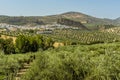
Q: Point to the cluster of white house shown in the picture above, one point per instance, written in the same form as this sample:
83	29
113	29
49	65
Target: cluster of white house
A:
41	28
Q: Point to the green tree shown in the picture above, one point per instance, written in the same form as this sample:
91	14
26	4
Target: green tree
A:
8	46
47	43
23	44
34	43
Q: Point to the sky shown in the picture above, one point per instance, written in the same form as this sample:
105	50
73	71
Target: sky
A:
97	8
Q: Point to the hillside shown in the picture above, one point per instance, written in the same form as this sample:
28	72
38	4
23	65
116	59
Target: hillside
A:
117	21
68	22
76	16
83	18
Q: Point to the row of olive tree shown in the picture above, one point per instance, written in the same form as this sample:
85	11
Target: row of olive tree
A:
26	44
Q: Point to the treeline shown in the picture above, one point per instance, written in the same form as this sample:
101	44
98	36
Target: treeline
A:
20	20
26	44
69	22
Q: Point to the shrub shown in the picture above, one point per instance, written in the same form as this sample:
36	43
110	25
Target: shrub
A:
7	46
72	63
32	44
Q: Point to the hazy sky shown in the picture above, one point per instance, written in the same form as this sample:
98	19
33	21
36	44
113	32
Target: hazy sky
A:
97	8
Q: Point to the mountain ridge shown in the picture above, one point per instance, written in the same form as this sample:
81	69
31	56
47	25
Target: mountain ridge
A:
76	16
85	18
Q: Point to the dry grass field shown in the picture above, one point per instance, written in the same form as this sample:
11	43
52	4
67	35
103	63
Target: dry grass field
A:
7	37
58	44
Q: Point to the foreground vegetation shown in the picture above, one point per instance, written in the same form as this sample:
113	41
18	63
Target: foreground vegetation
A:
85	56
82	62
10	64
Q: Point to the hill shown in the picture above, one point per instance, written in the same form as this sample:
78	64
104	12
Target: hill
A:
41	20
77	16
